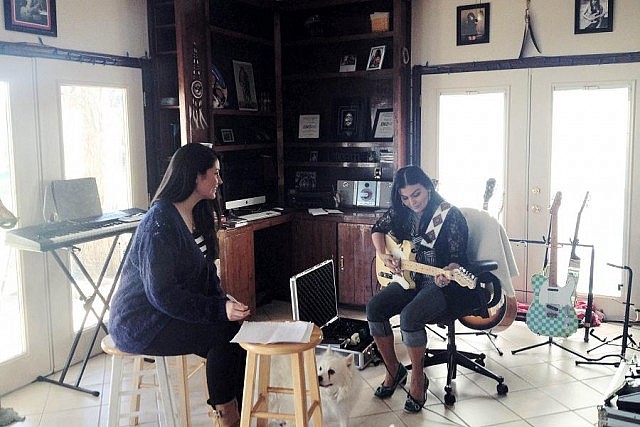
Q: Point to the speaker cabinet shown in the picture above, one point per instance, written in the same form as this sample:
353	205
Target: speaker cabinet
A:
384	194
347	191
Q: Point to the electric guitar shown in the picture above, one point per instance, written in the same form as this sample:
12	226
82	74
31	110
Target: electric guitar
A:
404	252
551	313
488	192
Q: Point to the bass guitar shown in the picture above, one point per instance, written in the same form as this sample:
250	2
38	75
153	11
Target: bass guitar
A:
551	313
404	252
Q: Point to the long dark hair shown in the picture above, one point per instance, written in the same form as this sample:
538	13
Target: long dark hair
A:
411	175
178	184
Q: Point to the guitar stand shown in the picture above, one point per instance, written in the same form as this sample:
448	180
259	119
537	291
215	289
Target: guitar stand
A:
625	330
550	341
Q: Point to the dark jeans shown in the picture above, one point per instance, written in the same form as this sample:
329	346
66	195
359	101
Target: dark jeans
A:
417	307
225	360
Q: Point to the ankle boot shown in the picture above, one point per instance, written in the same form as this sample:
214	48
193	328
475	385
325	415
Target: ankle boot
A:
226	414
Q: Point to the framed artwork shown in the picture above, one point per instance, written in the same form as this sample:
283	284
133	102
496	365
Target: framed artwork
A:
309	126
593	16
245	86
383	124
350	119
348	63
376	56
472	24
31	16
313	156
227	136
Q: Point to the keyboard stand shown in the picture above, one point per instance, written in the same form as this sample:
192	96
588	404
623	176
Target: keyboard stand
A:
88	307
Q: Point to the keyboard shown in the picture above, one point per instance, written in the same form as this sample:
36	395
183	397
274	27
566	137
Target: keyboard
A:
259	215
48	236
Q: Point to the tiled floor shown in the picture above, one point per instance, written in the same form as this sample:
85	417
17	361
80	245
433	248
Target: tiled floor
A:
546	388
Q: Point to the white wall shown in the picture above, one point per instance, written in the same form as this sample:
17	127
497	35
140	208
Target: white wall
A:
434	31
114	27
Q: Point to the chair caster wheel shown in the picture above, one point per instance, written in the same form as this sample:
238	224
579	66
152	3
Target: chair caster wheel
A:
449	399
502	389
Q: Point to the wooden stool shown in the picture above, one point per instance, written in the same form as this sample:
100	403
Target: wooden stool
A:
117	373
303	356
186	371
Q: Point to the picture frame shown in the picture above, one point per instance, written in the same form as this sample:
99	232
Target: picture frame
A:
35	17
348	63
227	136
473	23
245	86
309	126
350	119
313	156
383	125
376	58
593	16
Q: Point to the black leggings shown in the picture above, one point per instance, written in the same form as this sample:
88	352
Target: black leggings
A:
225	360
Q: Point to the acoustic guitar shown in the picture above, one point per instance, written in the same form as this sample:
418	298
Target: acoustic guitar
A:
551	313
503	314
404	252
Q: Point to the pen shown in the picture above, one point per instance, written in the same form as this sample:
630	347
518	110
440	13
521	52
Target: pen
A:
232	299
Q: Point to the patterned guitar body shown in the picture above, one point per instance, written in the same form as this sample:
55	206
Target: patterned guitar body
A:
551	313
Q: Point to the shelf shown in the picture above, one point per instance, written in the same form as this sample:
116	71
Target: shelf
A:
169	107
386	73
361	144
337	164
232	112
167	53
313	41
242	36
244	147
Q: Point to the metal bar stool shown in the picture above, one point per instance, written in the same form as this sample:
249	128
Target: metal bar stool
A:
303	356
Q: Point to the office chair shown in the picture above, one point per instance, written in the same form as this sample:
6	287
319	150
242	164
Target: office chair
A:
487	240
489	295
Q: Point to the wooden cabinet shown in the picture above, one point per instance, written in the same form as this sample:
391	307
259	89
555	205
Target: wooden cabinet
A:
237	264
314	241
356	264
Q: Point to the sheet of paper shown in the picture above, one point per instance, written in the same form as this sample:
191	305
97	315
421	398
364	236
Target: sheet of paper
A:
334	211
274	332
317	211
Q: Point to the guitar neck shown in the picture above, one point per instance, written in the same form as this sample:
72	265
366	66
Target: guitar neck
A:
553	252
423	268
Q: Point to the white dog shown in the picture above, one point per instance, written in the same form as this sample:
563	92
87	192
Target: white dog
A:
336	376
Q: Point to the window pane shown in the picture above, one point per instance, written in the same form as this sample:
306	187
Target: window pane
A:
12	325
96	144
471	148
590	144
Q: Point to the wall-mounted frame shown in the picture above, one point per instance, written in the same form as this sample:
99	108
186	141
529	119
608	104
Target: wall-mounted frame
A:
227	136
348	63
36	17
593	16
376	57
309	126
245	86
473	24
383	124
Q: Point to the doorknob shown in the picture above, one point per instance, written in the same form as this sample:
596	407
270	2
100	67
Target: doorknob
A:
535	209
535	190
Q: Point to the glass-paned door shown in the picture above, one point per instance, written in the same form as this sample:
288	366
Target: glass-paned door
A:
24	326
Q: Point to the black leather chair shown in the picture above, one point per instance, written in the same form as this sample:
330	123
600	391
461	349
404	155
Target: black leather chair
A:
489	296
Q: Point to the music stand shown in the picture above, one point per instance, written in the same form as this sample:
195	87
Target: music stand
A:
625	328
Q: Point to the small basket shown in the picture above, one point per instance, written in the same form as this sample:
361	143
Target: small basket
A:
379	21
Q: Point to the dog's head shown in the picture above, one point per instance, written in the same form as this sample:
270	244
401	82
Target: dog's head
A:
335	372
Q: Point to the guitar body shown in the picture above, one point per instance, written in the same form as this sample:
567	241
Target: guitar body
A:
501	316
551	313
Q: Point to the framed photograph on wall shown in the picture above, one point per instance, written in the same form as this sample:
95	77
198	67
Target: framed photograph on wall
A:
383	124
593	16
472	23
376	57
227	136
245	86
348	63
309	126
31	16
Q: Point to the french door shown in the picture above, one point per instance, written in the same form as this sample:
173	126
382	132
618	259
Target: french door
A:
564	129
49	126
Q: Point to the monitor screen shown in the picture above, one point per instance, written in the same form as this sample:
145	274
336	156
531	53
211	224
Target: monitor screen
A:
244	175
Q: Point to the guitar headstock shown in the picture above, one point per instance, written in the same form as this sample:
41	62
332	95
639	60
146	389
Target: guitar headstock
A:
556	203
463	277
488	189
